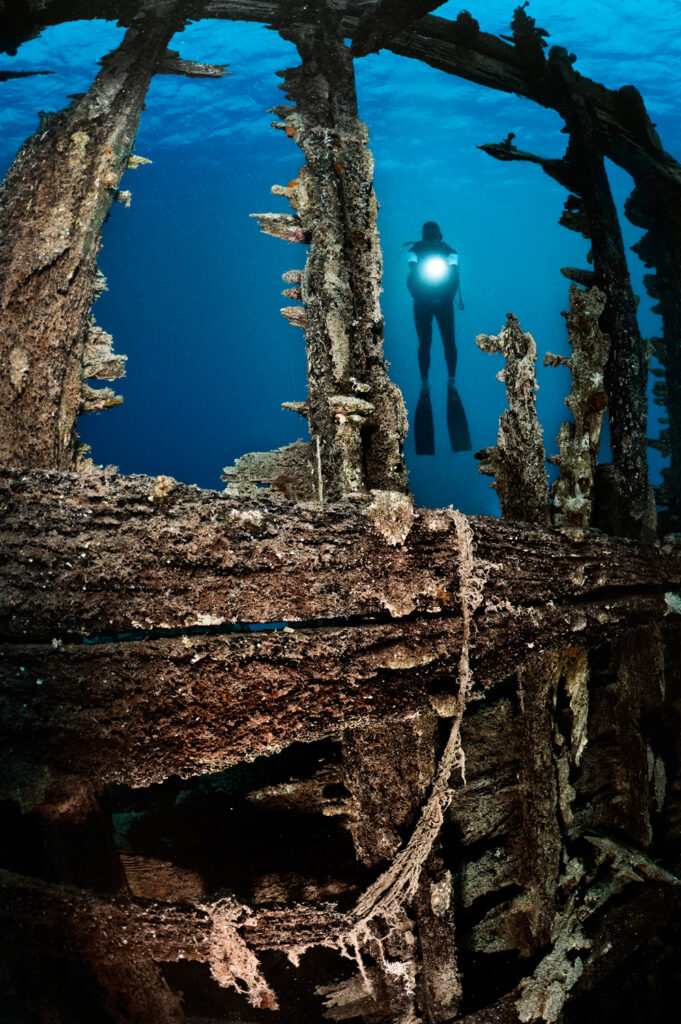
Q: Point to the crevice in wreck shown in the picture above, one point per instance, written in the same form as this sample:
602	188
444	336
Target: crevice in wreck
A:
464	757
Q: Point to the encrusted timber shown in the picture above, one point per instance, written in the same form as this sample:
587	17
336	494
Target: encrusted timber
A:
285	226
517	463
48	273
172	64
356	416
66	708
590	210
6	76
578	441
386	19
660	249
601	923
389	769
341	457
512	812
141	930
140	552
627	487
593	213
290	472
100	363
601	121
458	47
166	932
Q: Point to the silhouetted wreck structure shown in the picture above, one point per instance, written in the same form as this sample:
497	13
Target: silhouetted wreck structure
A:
470	805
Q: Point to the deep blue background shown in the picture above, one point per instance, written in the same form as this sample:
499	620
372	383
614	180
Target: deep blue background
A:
193	295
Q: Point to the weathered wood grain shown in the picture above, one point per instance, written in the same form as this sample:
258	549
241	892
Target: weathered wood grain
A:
52	206
147	929
141	711
104	554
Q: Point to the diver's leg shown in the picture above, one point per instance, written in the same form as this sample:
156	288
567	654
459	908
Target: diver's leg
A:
444	314
423	320
457	424
424	436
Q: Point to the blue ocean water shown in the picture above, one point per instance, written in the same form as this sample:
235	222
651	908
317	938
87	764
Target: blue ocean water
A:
193	287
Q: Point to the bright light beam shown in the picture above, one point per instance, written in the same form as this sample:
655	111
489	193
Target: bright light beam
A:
434	269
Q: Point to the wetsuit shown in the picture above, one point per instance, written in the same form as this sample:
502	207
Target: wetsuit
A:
434	298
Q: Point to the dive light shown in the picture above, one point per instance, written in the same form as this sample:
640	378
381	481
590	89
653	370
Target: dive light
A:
434	269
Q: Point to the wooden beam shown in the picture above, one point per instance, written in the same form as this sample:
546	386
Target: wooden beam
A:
6	76
52	206
386	19
172	64
44	916
99	553
142	711
107	927
356	415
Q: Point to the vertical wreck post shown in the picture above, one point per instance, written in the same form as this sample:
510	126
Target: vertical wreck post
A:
389	770
654	205
52	206
590	210
518	462
356	415
626	372
358	423
579	441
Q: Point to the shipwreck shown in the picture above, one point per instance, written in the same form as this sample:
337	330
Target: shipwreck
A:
306	752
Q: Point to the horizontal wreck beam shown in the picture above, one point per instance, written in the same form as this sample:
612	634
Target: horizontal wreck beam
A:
385	19
456	47
141	711
372	586
102	927
227	935
98	553
460	48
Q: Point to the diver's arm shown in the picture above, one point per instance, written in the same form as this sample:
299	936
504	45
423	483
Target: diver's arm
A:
453	275
456	277
451	286
411	278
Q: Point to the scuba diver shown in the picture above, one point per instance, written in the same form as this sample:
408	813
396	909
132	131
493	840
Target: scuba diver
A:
433	283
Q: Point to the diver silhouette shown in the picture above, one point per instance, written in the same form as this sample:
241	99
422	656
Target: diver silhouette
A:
433	283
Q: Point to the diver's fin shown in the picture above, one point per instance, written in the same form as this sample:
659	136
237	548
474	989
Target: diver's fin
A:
457	424
424	437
